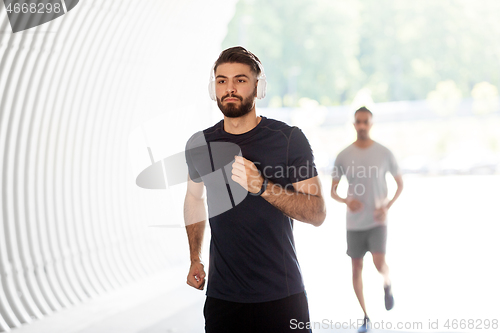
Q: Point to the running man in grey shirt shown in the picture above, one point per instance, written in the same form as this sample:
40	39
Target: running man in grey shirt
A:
365	164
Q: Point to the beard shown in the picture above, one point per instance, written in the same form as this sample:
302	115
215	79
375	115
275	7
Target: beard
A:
231	110
363	135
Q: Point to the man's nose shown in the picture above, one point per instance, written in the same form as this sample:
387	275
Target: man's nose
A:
230	88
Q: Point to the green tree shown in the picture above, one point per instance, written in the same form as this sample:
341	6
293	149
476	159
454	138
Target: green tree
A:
399	50
308	48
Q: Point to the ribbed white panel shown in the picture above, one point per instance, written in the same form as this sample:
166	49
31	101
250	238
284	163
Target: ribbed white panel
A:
73	224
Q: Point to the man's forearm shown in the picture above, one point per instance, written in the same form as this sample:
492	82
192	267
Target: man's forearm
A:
297	205
195	234
195	220
335	195
399	181
391	202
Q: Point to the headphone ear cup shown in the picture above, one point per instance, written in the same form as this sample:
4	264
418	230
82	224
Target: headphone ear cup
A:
261	88
211	90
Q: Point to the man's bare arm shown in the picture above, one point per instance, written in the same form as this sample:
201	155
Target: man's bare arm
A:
195	219
302	201
381	212
334	194
353	204
399	182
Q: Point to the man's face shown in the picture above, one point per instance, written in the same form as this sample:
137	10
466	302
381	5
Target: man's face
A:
235	88
363	124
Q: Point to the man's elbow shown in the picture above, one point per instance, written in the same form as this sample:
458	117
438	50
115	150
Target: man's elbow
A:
319	218
399	188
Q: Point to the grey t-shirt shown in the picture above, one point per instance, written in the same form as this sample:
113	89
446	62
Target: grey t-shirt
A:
365	170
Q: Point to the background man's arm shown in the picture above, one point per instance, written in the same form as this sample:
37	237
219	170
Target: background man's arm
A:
381	213
195	219
334	194
399	182
303	202
353	204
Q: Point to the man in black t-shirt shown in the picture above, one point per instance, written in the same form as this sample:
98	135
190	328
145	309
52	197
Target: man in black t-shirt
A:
259	175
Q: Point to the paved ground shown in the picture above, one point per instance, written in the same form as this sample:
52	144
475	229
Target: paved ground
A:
442	252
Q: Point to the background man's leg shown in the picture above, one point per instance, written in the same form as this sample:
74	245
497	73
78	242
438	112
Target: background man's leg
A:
357	281
381	265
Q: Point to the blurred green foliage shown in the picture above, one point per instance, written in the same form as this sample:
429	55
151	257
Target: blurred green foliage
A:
328	50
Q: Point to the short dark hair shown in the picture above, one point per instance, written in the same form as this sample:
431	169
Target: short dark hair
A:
238	54
363	109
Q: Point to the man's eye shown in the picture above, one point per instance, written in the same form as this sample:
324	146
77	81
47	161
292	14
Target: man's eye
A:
240	80
221	81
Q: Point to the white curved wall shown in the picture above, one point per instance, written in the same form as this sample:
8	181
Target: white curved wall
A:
75	95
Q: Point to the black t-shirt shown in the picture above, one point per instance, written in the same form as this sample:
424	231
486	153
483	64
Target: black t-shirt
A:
252	251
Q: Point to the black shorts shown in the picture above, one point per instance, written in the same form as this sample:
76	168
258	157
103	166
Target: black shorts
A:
273	317
373	240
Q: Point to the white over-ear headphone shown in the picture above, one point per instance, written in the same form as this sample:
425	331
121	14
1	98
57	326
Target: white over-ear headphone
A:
261	83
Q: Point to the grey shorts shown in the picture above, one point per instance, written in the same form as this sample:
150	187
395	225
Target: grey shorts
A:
373	240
